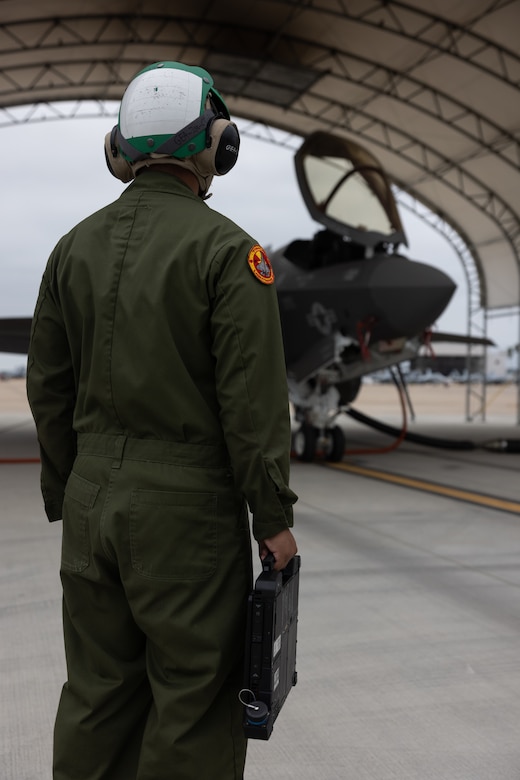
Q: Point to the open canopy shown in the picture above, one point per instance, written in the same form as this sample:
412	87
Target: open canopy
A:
345	189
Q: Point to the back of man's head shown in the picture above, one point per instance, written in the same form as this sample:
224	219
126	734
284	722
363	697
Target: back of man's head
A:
172	114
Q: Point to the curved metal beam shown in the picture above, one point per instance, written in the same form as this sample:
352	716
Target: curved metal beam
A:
439	35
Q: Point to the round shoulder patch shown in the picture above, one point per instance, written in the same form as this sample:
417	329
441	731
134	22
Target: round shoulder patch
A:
260	265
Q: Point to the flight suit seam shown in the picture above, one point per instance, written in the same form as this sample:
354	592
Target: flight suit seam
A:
116	288
103	517
179	462
44	291
242	364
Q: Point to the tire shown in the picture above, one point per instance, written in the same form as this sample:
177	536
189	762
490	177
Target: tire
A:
335	444
304	442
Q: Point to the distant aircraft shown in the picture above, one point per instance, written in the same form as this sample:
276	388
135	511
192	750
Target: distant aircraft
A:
349	303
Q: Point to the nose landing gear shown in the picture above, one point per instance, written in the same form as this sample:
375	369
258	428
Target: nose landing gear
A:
309	441
334	444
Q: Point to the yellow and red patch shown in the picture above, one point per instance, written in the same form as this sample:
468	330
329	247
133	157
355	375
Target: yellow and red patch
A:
260	265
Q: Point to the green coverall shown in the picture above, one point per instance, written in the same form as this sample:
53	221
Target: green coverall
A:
156	378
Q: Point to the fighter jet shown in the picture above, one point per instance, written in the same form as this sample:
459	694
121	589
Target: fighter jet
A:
349	303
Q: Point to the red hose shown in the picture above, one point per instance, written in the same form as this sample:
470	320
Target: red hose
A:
4	461
395	444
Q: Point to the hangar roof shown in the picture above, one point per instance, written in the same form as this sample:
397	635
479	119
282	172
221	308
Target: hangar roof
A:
431	87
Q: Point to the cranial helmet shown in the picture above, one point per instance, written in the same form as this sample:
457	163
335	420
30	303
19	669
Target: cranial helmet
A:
171	113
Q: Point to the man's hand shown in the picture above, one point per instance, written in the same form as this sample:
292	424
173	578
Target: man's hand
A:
282	546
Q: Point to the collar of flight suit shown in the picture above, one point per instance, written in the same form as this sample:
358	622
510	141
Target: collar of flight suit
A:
158	181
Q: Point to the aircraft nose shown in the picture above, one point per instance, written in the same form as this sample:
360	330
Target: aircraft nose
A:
410	295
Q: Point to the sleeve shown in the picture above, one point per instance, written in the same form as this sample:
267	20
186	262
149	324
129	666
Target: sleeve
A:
251	386
51	394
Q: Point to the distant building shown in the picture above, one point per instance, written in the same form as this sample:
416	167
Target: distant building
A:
453	358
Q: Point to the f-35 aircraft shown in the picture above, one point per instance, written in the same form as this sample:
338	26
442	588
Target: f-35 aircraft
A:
349	303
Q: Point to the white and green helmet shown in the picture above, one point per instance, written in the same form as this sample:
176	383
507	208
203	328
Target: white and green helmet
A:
172	111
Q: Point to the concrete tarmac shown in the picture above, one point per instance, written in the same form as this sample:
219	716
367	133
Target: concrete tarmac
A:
409	625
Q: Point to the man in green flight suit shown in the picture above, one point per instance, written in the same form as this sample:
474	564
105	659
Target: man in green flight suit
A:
156	378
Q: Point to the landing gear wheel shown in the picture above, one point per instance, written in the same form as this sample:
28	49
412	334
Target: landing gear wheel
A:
304	442
334	444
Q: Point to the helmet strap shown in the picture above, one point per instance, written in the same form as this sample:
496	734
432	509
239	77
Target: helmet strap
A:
185	135
173	144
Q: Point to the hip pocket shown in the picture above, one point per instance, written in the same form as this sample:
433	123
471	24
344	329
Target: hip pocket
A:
80	497
173	536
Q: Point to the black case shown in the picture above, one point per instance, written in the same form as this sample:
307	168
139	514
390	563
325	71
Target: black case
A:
270	654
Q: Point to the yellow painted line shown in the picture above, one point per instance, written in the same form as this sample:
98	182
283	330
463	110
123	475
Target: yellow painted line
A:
431	487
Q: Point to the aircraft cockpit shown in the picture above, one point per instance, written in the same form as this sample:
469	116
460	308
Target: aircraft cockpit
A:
324	249
345	189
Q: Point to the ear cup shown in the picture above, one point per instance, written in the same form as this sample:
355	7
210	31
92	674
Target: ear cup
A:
227	146
222	153
117	165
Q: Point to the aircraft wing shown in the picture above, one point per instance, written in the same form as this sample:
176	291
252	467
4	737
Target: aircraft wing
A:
460	338
14	334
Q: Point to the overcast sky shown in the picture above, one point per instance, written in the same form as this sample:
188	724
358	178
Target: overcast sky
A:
54	175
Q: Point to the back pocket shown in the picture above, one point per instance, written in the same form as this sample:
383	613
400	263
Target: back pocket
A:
173	536
80	497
